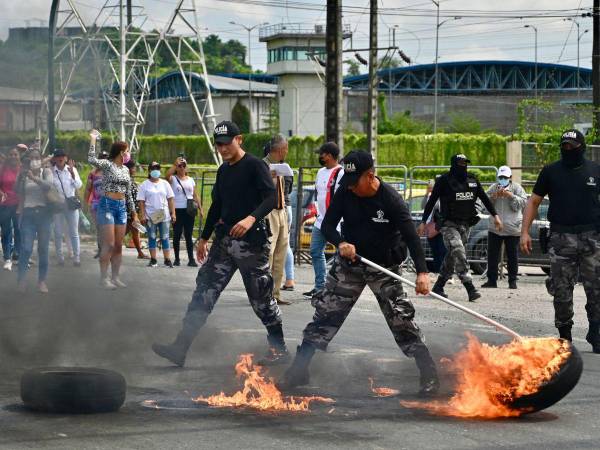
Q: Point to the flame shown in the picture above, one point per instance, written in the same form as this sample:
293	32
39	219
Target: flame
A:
489	378
382	391
259	392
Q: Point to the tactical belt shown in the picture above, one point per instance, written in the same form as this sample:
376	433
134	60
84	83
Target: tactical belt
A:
573	229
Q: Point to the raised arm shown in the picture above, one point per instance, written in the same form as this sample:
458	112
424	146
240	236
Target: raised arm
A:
101	163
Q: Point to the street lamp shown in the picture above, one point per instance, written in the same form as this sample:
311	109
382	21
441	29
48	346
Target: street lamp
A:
534	28
579	36
249	30
436	76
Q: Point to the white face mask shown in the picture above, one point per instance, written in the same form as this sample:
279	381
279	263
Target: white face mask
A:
35	164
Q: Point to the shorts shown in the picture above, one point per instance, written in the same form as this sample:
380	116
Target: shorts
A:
111	212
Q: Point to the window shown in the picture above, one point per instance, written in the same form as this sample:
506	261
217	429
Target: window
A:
283	93
295	53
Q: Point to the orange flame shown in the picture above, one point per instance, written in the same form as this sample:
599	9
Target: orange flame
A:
259	392
382	391
489	378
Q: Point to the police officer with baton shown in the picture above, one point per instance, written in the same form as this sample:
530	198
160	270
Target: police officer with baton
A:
572	186
377	225
457	191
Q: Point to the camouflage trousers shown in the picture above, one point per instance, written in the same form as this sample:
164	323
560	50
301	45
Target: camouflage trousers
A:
225	257
345	282
455	238
572	255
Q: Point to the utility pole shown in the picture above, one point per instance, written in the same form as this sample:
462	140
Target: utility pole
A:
333	75
373	81
129	14
122	75
535	77
596	70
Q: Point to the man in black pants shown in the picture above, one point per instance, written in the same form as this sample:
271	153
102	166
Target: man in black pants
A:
376	225
242	196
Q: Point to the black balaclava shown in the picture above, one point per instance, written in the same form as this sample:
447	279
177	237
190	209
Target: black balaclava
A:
574	157
457	171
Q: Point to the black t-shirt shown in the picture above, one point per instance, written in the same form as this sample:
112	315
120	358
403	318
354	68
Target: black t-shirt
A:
241	189
573	193
377	226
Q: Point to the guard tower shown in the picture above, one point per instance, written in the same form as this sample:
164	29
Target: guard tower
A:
296	53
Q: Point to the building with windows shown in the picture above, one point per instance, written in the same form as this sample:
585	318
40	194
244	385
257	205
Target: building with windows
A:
293	55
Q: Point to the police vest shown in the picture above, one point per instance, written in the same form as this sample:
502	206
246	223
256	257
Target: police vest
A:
459	204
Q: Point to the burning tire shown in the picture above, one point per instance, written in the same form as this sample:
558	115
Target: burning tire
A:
554	389
73	390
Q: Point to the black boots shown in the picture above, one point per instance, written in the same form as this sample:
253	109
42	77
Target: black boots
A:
297	374
565	333
278	352
472	291
593	336
176	351
438	287
490	284
429	382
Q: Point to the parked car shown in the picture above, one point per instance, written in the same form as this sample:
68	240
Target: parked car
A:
477	243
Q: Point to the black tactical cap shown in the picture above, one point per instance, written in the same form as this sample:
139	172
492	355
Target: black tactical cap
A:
355	164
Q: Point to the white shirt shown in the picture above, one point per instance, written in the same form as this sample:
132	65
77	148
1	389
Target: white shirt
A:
322	186
155	196
182	197
69	183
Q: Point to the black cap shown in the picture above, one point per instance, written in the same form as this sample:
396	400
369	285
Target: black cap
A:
459	158
574	137
58	152
329	147
154	165
225	132
355	164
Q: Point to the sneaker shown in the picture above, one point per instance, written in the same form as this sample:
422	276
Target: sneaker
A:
8	265
310	293
168	263
42	287
118	283
107	284
287	288
177	263
192	263
153	262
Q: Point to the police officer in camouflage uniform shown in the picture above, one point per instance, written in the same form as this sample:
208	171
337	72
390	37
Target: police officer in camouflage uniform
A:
457	192
376	225
242	196
573	186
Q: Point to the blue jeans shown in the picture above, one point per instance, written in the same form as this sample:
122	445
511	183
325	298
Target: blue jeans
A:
111	212
35	222
162	229
317	253
9	224
289	259
71	217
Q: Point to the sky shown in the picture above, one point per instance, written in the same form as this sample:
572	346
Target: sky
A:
495	32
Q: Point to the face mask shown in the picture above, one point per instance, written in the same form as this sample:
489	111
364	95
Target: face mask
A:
459	172
35	164
126	157
155	174
503	182
574	157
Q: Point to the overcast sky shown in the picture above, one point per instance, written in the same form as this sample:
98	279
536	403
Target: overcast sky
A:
468	38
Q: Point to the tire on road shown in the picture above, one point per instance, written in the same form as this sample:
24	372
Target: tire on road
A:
73	390
480	253
556	388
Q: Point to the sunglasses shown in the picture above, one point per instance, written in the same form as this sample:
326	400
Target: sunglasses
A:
502	177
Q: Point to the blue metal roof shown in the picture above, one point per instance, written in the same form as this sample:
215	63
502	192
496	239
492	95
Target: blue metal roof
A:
477	77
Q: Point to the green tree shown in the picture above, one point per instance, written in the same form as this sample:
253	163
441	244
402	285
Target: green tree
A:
463	122
241	116
353	67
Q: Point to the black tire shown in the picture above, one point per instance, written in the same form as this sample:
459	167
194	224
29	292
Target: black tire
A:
556	388
73	390
546	270
481	254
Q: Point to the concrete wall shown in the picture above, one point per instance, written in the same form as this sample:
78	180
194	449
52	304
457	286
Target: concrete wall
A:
301	105
179	117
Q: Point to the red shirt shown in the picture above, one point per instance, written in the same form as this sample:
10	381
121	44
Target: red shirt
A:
8	177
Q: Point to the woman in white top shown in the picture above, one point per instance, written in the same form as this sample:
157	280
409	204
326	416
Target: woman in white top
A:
184	188
157	210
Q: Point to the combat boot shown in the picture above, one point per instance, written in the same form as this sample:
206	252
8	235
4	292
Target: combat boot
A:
472	291
277	352
429	383
593	336
438	287
297	374
177	351
565	333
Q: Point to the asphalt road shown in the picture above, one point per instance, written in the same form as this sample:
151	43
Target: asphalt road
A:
77	324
